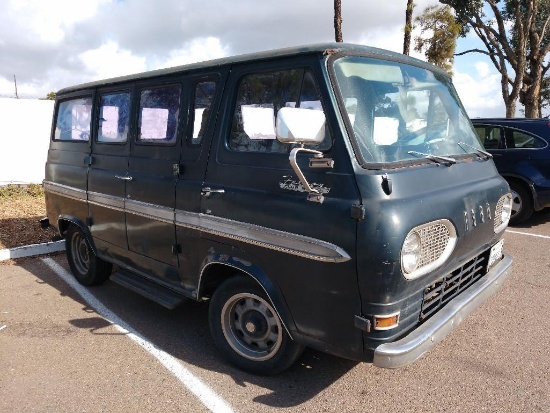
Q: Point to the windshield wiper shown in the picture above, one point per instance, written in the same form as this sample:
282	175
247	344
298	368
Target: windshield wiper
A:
479	152
445	160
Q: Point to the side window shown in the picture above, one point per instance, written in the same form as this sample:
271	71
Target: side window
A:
159	114
114	117
520	140
259	98
489	136
204	95
73	120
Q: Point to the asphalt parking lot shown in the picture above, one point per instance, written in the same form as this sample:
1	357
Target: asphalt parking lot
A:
64	348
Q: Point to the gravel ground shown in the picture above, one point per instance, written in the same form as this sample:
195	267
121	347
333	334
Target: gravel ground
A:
21	208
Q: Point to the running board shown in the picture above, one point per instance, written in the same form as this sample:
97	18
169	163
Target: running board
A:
157	293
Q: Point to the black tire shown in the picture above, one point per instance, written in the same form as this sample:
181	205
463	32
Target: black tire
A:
522	204
86	267
247	330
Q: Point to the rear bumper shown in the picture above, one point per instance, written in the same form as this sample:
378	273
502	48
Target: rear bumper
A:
411	347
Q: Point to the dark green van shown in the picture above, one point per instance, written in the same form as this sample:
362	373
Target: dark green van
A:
332	196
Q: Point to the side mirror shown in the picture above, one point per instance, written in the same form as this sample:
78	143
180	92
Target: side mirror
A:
302	126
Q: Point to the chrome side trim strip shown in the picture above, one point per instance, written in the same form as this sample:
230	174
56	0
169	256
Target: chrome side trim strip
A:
419	341
152	211
289	243
273	239
66	191
109	201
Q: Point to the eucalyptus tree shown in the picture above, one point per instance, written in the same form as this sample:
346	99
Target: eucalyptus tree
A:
408	26
439	31
516	39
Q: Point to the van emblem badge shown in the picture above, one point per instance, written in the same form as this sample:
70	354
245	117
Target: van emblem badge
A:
290	184
472	219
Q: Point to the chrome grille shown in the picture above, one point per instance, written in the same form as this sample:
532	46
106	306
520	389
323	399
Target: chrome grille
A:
438	294
498	213
434	240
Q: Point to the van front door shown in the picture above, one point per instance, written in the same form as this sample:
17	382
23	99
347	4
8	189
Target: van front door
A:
252	199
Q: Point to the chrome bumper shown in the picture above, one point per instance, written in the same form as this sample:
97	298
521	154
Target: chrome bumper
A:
411	347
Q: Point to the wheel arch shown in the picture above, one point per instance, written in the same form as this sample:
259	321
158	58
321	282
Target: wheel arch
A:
65	221
216	271
527	184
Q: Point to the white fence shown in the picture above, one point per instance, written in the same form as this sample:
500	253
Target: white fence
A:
24	139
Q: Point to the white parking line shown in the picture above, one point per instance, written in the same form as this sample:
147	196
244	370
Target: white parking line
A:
203	392
526	233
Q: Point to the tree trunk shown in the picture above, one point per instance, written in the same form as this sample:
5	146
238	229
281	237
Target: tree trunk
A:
532	101
408	27
338	20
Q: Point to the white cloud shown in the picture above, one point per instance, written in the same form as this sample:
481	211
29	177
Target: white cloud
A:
197	50
110	61
481	92
57	43
48	21
482	69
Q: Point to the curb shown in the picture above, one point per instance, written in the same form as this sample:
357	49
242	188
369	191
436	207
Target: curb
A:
31	250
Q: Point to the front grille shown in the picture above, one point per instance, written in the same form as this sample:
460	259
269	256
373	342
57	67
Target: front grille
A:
438	294
498	213
434	239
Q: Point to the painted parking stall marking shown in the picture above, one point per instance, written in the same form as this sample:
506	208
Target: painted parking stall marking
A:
528	234
202	391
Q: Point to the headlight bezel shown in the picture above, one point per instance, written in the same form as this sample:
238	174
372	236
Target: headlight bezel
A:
503	212
432	252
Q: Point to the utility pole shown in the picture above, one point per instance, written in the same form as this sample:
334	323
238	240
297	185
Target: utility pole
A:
15	81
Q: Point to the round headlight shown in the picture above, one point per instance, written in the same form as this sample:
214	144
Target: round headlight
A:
410	253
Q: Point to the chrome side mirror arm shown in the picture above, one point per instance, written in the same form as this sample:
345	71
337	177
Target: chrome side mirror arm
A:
313	194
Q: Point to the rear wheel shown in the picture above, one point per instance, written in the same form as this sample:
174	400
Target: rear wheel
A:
522	205
86	267
247	329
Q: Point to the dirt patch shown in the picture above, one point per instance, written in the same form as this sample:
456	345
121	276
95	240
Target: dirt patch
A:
21	208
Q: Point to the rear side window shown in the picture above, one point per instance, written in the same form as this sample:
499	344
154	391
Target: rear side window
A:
259	98
159	114
204	95
73	120
489	136
114	118
516	139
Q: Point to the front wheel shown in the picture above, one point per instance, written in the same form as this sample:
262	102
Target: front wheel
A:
248	331
86	267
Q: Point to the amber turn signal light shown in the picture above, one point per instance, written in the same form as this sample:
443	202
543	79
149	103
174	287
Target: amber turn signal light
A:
386	322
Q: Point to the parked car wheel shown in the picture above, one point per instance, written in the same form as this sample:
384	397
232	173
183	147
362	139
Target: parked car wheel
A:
522	205
248	331
86	267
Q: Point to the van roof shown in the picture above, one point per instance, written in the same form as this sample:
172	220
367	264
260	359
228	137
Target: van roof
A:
320	49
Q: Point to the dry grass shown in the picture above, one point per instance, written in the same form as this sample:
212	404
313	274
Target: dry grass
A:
21	208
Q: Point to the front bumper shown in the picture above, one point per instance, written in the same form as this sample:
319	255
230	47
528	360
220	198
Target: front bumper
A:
411	347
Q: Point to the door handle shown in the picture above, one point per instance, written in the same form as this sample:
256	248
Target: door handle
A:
207	191
124	178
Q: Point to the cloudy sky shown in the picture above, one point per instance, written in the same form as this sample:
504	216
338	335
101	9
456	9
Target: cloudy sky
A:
52	44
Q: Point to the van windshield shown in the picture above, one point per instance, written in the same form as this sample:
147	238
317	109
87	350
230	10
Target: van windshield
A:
399	112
